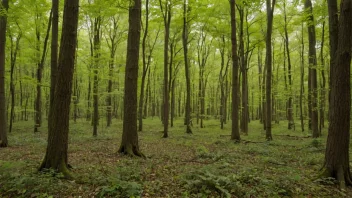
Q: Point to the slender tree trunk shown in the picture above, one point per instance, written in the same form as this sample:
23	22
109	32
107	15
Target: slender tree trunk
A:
302	82
3	25
14	51
53	54
323	82
129	144
56	152
38	100
312	68
187	72
268	61
96	44
337	148
289	102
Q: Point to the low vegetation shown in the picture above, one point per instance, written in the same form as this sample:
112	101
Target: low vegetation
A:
205	164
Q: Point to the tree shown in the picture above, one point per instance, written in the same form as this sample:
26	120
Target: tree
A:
313	92
3	23
337	147
166	13
268	65
186	62
40	68
53	55
56	151
129	144
235	134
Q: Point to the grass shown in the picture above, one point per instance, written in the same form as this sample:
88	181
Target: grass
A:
205	164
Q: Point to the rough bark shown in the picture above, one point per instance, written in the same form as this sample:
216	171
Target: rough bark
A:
3	26
129	143
337	147
56	151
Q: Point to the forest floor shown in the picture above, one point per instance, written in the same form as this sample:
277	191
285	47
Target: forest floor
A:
204	164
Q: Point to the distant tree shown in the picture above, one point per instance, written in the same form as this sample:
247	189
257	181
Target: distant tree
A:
56	151
129	144
337	163
3	24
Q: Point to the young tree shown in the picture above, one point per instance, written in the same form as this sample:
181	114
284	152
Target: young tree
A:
337	148
56	151
268	64
3	23
235	134
129	144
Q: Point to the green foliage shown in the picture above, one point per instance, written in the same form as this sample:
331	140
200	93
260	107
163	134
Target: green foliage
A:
124	183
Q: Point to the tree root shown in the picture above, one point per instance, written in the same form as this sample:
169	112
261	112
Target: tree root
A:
342	177
131	151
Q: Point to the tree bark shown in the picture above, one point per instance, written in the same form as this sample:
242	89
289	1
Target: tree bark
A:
187	72
313	92
337	147
235	133
129	144
3	26
56	151
268	61
53	54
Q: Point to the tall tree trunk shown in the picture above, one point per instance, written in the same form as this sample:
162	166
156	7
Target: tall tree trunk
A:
3	25
301	94
268	62
313	69
14	51
337	148
38	100
166	11
289	102
235	133
323	82
53	54
96	47
129	143
187	71
56	151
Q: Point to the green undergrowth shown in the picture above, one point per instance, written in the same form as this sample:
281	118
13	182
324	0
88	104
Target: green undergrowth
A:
203	164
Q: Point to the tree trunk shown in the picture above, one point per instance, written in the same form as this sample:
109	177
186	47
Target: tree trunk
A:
129	144
96	52
268	61
53	54
291	122
56	151
38	100
187	72
3	26
302	82
337	147
313	69
235	133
